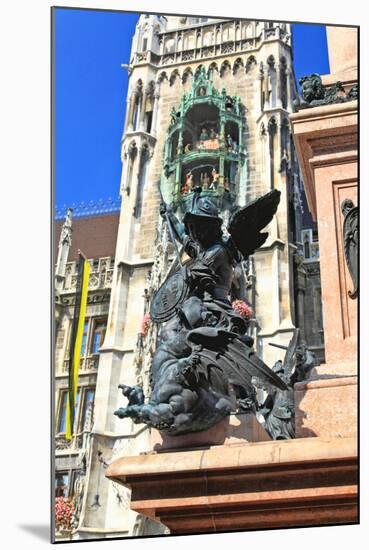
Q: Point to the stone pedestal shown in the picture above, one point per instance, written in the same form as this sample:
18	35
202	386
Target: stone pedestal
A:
234	429
326	142
326	407
272	484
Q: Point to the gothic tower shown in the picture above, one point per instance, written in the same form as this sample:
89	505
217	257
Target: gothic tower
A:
210	98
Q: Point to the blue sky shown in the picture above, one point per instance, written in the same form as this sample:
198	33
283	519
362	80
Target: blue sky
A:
90	93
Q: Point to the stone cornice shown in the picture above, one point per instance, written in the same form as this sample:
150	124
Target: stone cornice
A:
324	135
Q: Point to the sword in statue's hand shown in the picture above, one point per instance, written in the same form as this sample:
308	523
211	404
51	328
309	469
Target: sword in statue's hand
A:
164	212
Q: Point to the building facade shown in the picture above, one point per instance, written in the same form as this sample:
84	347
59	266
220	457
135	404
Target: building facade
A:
208	104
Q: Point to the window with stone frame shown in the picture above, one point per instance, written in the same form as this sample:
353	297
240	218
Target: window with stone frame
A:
83	410
62	484
88	407
93	335
62	411
98	334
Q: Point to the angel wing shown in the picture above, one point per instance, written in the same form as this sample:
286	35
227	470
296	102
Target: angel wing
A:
245	224
223	356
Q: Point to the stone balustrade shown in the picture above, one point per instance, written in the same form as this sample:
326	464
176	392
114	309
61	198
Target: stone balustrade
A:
101	274
88	363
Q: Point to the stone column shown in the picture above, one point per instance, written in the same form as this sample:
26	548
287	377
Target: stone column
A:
272	130
278	100
259	101
288	89
155	111
138	112
141	124
128	102
266	89
300	293
131	110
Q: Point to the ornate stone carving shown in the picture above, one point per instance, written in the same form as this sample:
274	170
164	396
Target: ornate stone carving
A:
142	56
66	232
168	59
315	94
132	150
188	56
227	48
351	242
278	408
61	443
207	51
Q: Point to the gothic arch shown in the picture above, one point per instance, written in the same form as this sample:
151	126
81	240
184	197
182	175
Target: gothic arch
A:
132	150
285	133
271	62
208	38
225	66
228	32
213	67
173	77
272	125
238	31
250	63
198	69
186	74
151	86
163	76
237	65
138	85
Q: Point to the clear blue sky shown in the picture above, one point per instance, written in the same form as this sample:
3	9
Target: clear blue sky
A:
90	93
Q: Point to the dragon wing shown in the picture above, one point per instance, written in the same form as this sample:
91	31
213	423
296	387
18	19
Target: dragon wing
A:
245	224
237	362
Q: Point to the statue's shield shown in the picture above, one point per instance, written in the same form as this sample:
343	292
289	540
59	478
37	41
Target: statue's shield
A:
167	298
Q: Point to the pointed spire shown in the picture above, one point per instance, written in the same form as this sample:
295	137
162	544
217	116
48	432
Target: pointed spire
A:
65	242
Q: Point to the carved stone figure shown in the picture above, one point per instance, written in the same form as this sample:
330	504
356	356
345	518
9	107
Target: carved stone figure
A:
315	94
203	366
351	242
66	232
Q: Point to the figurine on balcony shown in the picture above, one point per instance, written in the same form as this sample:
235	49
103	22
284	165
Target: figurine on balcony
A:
188	184
204	134
215	180
187	148
213	134
204	364
229	142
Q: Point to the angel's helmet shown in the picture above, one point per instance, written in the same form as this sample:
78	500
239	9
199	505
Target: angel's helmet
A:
202	222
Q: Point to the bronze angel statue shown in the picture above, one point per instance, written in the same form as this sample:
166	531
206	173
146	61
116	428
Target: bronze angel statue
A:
204	364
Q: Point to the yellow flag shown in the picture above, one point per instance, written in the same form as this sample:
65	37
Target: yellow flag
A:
76	341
